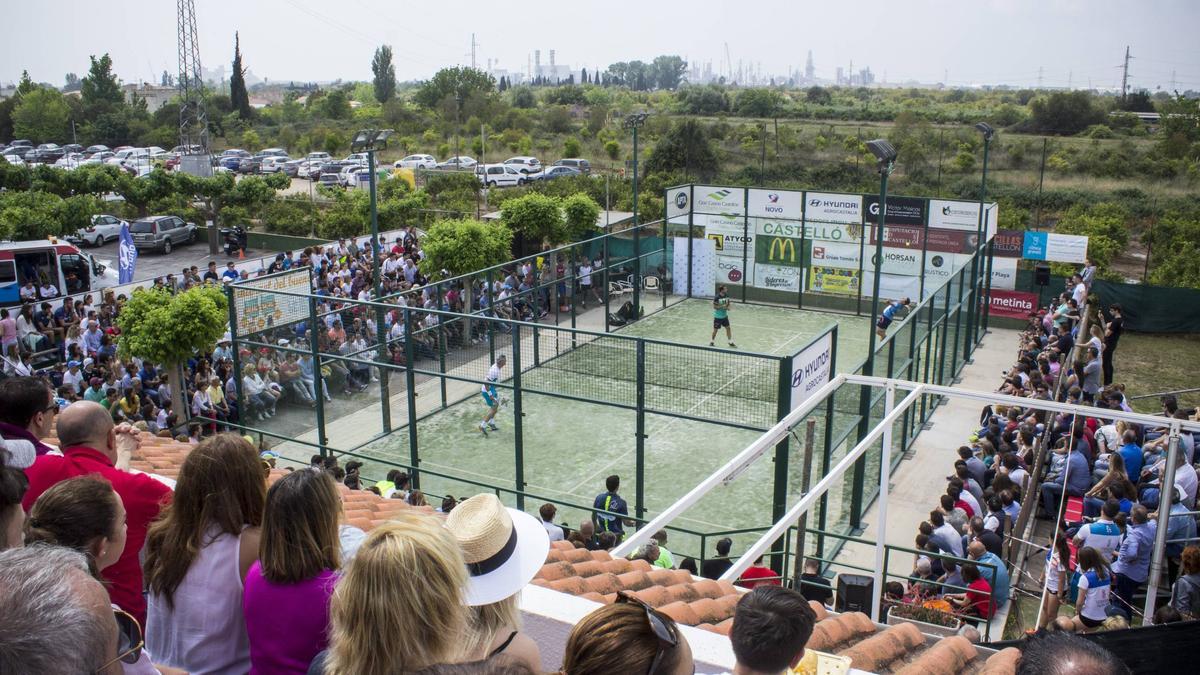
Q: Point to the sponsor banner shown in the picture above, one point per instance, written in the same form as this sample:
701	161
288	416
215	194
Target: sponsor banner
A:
257	311
777	277
900	236
1066	248
730	271
903	261
943	241
941	266
811	369
832	254
728	234
1008	243
841	232
1012	304
712	199
953	215
891	286
991	220
776	250
833	280
1004	273
703	267
830	207
679	201
786	204
900	211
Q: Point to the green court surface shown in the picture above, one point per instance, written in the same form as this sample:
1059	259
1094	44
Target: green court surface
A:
569	446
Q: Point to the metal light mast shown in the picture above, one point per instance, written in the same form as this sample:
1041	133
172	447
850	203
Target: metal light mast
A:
193	122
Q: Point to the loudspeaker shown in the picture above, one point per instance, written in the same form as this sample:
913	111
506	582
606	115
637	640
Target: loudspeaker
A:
854	592
1041	274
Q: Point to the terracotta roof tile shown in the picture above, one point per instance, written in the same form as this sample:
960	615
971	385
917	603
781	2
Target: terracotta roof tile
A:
571	585
1003	662
655	596
947	657
634	581
681	612
708	611
589	568
879	650
707	588
561	545
602	584
555	571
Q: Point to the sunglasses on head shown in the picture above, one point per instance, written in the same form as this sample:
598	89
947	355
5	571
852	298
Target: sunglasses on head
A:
129	639
667	637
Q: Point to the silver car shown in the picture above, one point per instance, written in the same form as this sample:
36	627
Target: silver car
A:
162	233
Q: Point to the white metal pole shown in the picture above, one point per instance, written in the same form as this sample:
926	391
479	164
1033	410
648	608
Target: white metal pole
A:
1165	496
885	464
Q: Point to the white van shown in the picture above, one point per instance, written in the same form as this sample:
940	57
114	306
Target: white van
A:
499	175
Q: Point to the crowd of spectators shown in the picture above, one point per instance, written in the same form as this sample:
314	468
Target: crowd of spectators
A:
1097	562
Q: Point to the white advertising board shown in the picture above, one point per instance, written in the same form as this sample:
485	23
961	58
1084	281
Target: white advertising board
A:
679	201
732	270
713	199
834	254
811	369
1004	273
777	277
954	215
702	270
783	204
729	235
831	207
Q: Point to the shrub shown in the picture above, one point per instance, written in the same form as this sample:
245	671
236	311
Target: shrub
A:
612	149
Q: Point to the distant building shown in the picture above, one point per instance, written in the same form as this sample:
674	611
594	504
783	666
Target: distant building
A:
154	95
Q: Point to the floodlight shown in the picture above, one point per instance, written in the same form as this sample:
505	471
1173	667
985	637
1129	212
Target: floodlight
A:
883	151
985	129
634	120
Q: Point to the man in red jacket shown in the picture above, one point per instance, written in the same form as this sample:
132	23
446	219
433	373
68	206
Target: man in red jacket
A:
92	445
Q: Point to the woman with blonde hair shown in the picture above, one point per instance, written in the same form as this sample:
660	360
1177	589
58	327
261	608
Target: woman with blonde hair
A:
286	603
504	548
198	553
400	605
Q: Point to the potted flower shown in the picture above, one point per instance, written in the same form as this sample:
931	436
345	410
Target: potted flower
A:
933	617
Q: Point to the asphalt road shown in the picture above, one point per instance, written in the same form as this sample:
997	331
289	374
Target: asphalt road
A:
151	264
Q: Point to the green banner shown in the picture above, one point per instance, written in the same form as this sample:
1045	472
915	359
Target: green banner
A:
783	251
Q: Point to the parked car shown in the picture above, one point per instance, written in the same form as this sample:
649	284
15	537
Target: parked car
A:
69	160
584	166
330	179
458	162
416	162
310	169
525	165
345	175
272	152
232	158
556	172
72	147
21	143
291	168
104	228
273	164
249	165
318	157
46	153
140	160
499	175
162	233
99	157
15	160
91	150
187	150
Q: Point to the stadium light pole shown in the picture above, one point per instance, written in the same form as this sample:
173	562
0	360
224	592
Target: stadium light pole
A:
366	140
635	121
972	333
885	153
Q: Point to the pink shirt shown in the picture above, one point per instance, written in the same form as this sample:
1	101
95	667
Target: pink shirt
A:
8	330
288	624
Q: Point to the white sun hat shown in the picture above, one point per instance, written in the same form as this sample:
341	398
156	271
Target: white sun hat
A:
504	548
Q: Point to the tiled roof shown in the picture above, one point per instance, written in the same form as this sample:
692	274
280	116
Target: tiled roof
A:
709	605
164	456
692	601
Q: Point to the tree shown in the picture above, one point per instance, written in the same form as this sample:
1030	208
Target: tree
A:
708	100
612	149
454	83
100	92
460	246
238	95
1138	101
26	84
684	148
1065	113
758	103
385	74
536	217
169	329
668	71
1179	131
72	83
522	97
41	116
580	214
335	105
818	95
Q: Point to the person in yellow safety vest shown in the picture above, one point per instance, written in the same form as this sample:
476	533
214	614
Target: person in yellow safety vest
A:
612	502
396	483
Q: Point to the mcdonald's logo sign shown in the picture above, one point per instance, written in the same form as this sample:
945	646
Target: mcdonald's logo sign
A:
778	251
786	249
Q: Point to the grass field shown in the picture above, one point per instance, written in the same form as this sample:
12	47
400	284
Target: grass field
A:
1151	363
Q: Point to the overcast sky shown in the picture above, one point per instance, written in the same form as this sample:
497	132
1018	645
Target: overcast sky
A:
971	41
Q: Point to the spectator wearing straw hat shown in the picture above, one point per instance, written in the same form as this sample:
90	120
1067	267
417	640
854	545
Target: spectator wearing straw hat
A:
503	548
